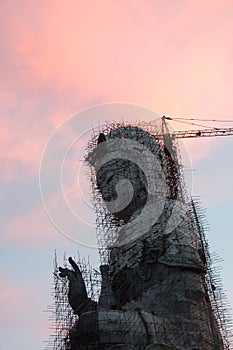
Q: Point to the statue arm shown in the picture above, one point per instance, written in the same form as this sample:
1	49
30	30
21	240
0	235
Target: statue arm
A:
78	298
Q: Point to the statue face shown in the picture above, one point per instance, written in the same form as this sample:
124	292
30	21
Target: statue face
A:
132	179
123	160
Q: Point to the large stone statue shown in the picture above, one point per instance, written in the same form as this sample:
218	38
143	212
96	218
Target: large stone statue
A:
154	293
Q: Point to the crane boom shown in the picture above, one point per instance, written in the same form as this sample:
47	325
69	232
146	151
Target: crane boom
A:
203	133
184	134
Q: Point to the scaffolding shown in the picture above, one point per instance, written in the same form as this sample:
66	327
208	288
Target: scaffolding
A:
186	243
62	317
107	226
218	300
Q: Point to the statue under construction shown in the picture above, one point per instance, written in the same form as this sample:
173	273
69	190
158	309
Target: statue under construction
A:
157	285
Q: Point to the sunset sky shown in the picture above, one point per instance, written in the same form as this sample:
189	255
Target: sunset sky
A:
59	57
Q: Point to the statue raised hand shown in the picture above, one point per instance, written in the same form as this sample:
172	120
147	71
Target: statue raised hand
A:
77	294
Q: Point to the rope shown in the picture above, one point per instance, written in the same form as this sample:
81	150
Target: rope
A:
206	120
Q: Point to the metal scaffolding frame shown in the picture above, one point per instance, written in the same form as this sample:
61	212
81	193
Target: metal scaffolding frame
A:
107	229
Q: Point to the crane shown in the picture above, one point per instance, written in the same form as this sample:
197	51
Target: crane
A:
208	132
168	138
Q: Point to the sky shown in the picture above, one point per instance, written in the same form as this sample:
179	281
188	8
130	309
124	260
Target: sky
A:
60	57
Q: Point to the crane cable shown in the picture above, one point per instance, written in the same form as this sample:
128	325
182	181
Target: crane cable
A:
206	120
182	120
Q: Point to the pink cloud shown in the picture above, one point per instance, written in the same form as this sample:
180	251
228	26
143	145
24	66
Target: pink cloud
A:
120	59
31	228
19	304
8	295
34	229
16	299
97	51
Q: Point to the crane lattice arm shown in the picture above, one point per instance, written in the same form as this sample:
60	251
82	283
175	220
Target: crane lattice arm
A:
196	133
203	133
